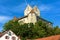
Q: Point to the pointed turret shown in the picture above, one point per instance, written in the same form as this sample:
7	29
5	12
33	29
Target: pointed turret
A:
27	10
14	19
36	10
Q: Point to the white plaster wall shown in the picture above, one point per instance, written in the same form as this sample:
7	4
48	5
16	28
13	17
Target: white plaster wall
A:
29	18
36	10
26	20
21	20
10	37
32	18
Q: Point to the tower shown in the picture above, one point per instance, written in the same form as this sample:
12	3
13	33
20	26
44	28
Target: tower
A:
36	10
27	10
31	14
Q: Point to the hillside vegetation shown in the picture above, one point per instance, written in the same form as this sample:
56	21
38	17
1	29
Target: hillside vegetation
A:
30	30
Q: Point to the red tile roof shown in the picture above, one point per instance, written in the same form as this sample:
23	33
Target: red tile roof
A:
56	37
0	34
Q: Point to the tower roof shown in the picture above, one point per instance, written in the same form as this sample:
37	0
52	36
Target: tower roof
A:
35	8
28	6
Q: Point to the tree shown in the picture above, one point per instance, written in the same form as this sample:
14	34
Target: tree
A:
30	30
56	30
14	26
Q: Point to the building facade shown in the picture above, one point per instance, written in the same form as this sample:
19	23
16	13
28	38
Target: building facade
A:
8	35
32	15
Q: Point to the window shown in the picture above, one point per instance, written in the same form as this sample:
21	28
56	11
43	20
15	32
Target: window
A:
49	23
13	38
9	33
6	37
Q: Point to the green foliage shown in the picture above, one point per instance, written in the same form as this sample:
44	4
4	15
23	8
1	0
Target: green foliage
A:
30	30
56	30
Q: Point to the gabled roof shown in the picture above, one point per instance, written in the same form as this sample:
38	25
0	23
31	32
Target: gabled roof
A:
22	17
44	20
37	17
3	33
0	34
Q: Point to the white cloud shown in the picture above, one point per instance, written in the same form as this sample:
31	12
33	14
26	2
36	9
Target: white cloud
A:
4	19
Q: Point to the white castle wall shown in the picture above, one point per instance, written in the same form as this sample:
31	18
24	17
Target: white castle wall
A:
31	16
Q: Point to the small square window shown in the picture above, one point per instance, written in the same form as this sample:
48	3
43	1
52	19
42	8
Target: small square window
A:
6	37
13	38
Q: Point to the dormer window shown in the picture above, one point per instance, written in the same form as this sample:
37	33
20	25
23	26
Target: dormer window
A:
9	33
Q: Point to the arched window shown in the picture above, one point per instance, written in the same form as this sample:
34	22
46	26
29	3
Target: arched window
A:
6	37
13	38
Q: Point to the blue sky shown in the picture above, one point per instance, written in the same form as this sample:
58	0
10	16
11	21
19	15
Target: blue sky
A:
49	10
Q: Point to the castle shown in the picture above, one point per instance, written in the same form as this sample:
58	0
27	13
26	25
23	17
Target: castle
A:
32	15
